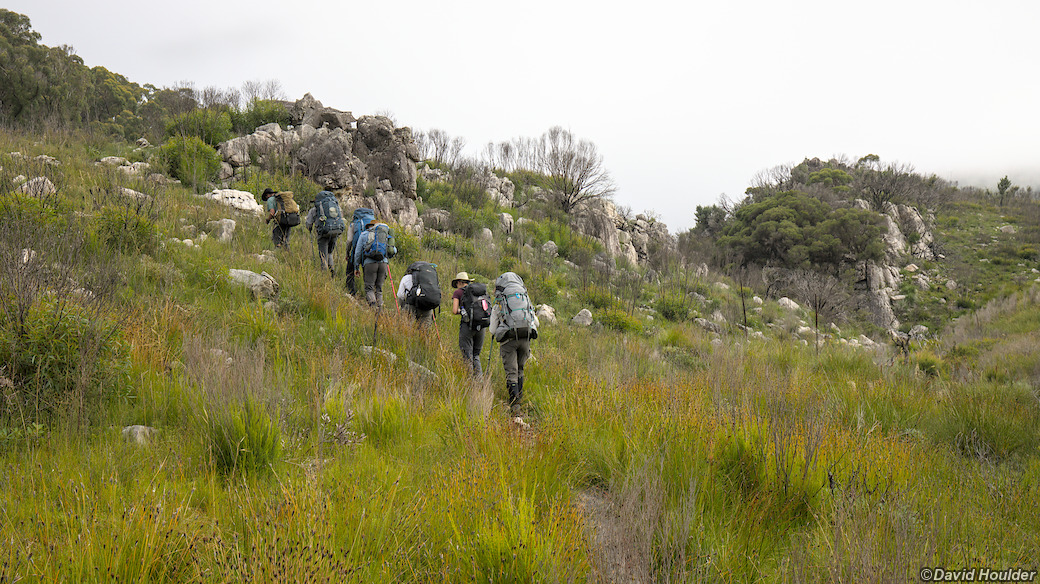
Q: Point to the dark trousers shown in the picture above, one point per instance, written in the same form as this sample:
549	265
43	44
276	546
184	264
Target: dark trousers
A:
471	343
423	317
326	247
280	235
374	274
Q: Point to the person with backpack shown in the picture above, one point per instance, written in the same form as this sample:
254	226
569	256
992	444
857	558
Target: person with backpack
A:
514	324
361	217
471	302
420	292
326	220
375	246
283	210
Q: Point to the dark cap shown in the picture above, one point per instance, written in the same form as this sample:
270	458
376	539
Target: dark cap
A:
267	193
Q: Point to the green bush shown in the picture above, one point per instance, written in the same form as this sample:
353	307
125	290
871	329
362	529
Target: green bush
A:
672	308
241	436
60	355
619	320
210	125
929	363
126	231
190	160
598	298
258	113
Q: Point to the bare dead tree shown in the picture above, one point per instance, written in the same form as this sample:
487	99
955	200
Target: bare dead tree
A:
573	169
824	294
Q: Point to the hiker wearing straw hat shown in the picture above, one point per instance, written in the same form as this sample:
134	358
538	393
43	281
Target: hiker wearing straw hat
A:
471	302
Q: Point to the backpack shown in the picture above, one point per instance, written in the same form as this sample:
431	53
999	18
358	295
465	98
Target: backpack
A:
289	212
330	217
517	312
476	306
425	293
362	216
381	246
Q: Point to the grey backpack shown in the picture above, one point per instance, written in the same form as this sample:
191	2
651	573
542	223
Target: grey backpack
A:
515	308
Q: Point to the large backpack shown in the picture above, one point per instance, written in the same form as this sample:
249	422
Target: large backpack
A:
330	216
288	211
425	292
515	308
380	246
476	306
362	215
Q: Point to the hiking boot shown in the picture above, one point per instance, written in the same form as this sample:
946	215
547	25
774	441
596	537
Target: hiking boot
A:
520	390
514	400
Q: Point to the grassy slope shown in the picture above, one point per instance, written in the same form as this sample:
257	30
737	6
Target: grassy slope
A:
754	462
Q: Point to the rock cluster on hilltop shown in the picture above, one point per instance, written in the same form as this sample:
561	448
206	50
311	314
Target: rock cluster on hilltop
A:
372	164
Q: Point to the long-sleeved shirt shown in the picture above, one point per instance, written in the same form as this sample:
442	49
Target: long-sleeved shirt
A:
403	287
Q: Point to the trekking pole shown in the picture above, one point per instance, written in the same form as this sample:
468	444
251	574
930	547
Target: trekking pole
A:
393	290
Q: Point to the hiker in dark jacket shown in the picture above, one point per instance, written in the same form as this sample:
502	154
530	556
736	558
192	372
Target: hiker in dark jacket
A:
351	268
280	233
326	239
372	271
471	339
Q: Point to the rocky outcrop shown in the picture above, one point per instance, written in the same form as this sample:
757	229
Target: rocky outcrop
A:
633	239
371	165
908	235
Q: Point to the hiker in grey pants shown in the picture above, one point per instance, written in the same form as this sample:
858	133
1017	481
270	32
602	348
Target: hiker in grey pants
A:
373	271
514	353
471	342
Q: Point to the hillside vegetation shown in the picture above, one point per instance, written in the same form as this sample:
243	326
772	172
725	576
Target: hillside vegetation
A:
286	452
698	431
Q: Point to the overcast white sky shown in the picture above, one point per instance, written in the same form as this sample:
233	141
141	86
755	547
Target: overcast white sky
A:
685	101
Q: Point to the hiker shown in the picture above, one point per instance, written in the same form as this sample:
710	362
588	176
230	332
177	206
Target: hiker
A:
282	208
471	302
326	220
420	292
514	324
360	219
374	248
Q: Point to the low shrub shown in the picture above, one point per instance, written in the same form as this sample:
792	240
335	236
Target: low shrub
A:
126	231
929	363
258	113
60	355
672	308
619	320
190	160
598	298
209	125
242	436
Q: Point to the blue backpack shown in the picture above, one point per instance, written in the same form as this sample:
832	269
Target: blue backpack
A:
330	217
361	218
381	245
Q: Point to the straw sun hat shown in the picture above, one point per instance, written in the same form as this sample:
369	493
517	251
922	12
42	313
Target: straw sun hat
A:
460	277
